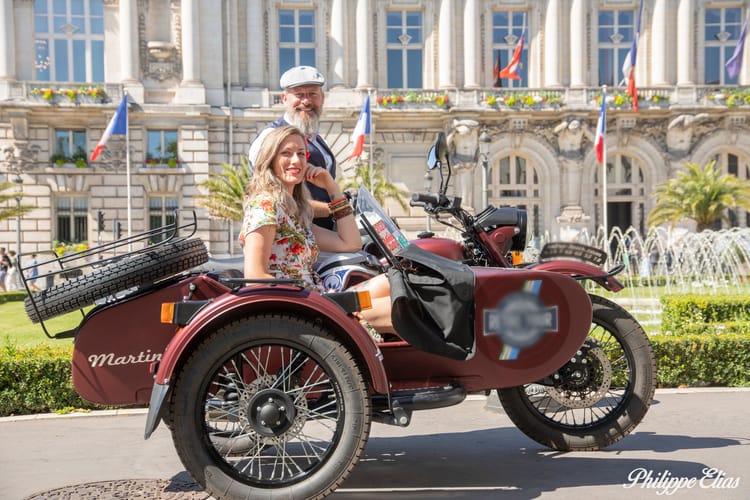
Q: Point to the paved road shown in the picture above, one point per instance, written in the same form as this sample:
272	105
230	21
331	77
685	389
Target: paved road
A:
471	451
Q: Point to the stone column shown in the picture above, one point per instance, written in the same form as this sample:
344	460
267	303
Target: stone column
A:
338	42
191	89
578	44
446	43
659	44
552	44
471	45
190	42
7	41
685	43
128	41
255	43
364	44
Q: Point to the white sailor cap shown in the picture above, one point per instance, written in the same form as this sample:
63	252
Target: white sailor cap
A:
301	75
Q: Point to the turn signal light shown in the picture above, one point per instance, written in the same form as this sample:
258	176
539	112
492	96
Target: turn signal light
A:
167	312
365	301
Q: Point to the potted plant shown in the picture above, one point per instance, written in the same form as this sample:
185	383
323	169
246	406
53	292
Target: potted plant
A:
173	162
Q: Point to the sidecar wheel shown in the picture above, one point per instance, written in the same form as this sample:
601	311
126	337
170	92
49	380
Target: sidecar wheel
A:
147	267
597	400
270	407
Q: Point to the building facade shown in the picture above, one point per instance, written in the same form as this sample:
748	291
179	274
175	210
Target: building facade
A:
202	77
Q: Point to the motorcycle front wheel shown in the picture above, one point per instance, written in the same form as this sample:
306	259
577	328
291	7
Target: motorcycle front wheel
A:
597	398
270	407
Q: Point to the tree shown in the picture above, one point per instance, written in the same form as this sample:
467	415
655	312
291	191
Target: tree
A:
703	194
376	184
226	191
12	209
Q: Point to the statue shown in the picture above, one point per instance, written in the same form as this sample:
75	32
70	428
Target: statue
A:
463	142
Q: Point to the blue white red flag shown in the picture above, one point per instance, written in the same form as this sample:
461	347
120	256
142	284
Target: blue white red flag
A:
734	64
361	129
514	66
601	129
628	66
118	125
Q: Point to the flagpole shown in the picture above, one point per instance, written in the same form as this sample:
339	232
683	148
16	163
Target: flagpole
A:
604	173
127	172
369	139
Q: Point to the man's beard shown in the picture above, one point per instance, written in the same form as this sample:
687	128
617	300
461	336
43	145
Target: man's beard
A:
307	121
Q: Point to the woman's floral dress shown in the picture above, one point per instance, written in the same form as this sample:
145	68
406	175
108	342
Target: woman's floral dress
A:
294	249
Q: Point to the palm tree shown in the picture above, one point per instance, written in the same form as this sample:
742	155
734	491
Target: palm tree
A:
376	183
701	194
12	210
226	191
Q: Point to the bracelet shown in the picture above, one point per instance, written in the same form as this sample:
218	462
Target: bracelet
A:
342	212
335	203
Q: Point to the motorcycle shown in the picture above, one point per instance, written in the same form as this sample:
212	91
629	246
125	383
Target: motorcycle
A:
270	389
575	397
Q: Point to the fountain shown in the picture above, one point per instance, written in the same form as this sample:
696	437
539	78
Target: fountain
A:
674	261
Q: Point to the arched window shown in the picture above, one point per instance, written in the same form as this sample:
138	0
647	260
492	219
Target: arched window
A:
732	164
625	194
514	181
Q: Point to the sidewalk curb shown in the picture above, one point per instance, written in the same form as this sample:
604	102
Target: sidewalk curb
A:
492	402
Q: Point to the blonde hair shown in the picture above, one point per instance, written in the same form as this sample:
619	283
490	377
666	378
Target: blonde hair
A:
265	181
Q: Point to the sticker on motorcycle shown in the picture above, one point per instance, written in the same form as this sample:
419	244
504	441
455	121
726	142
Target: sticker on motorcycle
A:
520	320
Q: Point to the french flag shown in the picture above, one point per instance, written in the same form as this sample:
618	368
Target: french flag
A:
361	129
511	70
118	125
628	67
601	129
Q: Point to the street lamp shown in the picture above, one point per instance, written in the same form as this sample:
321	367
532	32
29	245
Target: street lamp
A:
484	150
428	188
19	194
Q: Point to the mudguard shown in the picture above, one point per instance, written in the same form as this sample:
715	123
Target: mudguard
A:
581	270
263	299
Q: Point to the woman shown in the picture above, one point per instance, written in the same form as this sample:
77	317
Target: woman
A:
280	241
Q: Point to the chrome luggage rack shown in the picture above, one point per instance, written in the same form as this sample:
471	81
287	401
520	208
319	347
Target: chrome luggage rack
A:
72	265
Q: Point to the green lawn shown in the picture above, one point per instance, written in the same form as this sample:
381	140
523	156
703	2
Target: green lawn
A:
17	329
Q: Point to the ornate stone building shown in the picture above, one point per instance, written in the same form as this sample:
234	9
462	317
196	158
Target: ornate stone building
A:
202	76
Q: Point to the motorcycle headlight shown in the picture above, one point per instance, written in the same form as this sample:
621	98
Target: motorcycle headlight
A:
519	240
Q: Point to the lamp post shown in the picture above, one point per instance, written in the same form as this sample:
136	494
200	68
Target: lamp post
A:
484	150
428	188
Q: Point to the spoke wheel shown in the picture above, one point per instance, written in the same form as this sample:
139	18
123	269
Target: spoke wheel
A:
270	406
599	396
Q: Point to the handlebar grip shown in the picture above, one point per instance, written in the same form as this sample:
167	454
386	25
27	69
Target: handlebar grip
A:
422	199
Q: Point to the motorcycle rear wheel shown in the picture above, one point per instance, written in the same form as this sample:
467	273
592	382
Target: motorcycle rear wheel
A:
597	400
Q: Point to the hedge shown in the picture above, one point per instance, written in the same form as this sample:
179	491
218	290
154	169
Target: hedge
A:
37	380
702	359
681	312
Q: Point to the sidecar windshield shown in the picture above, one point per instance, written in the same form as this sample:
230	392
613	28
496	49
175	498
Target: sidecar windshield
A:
382	229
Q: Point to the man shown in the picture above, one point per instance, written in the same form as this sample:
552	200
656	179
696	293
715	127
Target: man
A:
303	98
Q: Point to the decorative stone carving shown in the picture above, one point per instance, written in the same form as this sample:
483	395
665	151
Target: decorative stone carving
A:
161	59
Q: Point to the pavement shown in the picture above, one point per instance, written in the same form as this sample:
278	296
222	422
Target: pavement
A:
693	444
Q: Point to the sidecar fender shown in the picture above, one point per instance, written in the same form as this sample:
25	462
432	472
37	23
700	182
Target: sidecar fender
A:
264	300
581	270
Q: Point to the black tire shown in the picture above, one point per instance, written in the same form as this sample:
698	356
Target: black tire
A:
270	407
152	265
597	400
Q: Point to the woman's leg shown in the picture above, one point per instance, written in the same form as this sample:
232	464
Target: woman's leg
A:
379	317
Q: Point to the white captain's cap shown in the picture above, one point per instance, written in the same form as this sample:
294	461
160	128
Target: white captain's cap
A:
301	75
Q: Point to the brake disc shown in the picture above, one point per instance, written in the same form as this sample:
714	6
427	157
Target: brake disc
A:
586	391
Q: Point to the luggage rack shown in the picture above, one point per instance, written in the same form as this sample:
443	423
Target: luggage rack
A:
74	264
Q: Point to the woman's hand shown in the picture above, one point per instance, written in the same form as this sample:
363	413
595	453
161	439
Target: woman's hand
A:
321	177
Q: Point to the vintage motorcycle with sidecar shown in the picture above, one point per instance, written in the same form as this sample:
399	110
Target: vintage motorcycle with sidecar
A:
270	389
